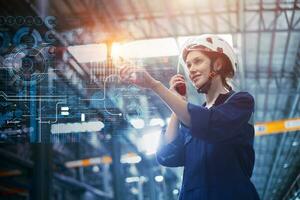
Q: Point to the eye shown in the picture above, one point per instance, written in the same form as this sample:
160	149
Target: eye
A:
188	65
198	61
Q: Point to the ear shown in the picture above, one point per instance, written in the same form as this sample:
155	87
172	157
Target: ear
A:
218	64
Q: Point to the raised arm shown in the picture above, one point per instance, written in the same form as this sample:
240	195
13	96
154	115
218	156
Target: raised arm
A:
172	129
172	99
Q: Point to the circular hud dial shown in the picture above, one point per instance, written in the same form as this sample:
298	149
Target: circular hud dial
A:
28	65
28	37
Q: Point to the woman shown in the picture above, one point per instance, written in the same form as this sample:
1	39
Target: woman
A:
213	142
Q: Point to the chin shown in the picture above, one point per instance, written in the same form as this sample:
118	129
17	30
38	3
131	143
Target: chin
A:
198	84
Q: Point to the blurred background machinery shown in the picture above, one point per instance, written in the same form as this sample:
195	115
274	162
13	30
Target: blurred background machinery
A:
70	130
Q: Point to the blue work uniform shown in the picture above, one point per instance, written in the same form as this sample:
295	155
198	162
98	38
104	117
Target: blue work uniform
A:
216	151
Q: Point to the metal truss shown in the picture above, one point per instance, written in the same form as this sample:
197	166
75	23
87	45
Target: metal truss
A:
294	190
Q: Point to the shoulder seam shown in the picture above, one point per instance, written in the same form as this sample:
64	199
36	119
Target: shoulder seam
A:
236	94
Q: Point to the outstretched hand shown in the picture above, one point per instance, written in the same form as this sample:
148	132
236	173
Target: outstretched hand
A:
176	102
137	76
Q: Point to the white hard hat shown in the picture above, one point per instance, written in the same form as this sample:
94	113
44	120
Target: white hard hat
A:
210	43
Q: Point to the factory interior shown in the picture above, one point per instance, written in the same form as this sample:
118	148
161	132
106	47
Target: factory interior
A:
71	129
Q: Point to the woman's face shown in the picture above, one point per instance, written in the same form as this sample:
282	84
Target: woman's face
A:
198	65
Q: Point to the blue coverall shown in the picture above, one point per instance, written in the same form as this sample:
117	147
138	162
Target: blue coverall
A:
216	151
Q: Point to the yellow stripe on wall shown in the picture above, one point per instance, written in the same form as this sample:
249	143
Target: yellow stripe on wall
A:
277	126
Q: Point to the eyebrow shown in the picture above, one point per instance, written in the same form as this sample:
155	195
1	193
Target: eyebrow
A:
187	62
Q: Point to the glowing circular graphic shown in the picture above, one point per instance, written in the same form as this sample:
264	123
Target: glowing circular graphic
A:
50	37
28	64
4	42
20	20
10	20
7	61
50	21
2	20
1	62
51	50
29	20
38	21
133	109
28	37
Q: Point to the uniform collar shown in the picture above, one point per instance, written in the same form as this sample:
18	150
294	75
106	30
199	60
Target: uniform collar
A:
221	98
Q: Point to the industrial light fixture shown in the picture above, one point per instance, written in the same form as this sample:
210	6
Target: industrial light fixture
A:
130	158
175	191
136	49
132	179
150	141
159	178
295	144
95	169
137	123
157	122
146	48
89	52
134	190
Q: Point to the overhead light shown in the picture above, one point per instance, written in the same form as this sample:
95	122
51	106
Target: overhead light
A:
77	127
89	53
150	141
89	162
137	123
157	122
95	169
295	144
136	179
146	48
159	178
175	191
132	179
117	50
130	158
135	49
134	190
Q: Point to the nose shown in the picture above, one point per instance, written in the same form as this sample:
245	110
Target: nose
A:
192	69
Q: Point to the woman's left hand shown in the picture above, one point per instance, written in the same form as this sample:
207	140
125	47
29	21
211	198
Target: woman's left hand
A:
137	76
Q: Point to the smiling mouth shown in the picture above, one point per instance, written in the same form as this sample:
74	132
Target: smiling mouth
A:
195	78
